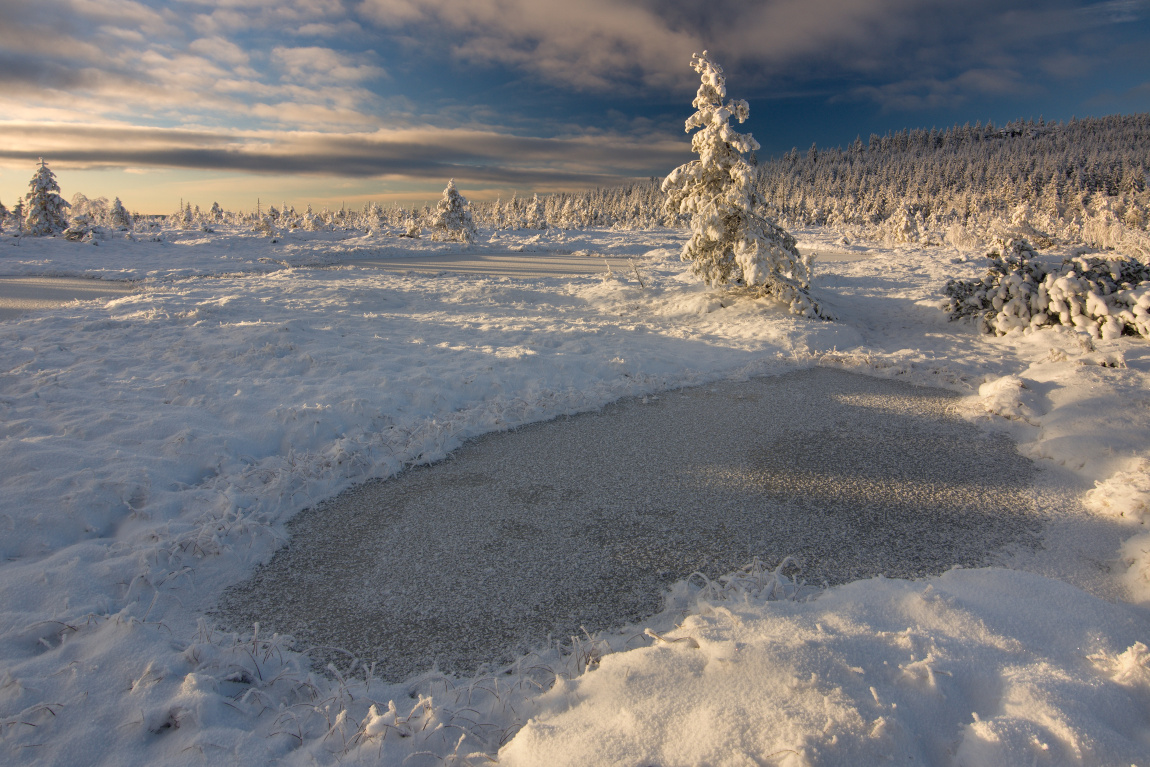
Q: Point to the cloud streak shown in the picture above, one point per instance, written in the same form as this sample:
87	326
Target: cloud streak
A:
476	157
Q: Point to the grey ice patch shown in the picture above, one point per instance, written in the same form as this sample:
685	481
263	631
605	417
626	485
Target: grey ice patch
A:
584	521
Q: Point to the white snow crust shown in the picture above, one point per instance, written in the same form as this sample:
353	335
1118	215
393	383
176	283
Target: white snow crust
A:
155	444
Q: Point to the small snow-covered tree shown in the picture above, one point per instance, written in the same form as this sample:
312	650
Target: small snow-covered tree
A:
731	241
3	216
44	214
536	214
119	217
452	219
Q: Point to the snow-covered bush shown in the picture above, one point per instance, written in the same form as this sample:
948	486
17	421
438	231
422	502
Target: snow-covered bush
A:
904	226
730	241
81	228
311	222
1106	297
265	226
44	214
452	219
412	228
183	218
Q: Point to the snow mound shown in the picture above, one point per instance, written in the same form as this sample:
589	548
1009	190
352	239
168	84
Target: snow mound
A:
970	668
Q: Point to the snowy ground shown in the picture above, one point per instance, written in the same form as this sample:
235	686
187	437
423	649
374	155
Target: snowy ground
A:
156	444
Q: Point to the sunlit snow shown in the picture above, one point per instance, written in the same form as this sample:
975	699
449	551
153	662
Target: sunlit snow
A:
155	444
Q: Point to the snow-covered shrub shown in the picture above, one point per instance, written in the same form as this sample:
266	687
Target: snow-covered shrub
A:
80	228
730	241
311	222
452	219
1106	297
904	226
412	229
44	214
265	226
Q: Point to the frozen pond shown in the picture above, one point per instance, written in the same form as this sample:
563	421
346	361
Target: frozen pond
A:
583	521
20	295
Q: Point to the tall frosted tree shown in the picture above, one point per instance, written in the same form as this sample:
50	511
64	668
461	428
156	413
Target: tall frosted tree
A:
44	212
731	241
452	219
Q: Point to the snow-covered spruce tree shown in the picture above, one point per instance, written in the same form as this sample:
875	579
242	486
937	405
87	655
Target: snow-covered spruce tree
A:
18	217
730	241
3	216
536	214
44	213
120	218
452	219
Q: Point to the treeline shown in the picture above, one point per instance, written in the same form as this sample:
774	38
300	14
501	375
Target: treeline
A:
1079	181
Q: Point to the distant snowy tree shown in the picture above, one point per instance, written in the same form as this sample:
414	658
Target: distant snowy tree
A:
216	212
18	216
3	216
536	214
452	219
730	241
44	214
512	213
120	218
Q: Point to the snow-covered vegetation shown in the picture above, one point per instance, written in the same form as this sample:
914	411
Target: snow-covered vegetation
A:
1082	181
44	213
452	219
731	240
1106	297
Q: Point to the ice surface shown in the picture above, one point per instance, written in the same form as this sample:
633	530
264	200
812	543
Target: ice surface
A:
584	522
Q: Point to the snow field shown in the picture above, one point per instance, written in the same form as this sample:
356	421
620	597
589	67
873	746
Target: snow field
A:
154	446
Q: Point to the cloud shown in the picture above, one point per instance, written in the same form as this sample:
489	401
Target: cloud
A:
323	66
470	156
775	44
931	93
125	61
220	50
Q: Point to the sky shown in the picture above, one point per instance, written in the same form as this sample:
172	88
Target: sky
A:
331	102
